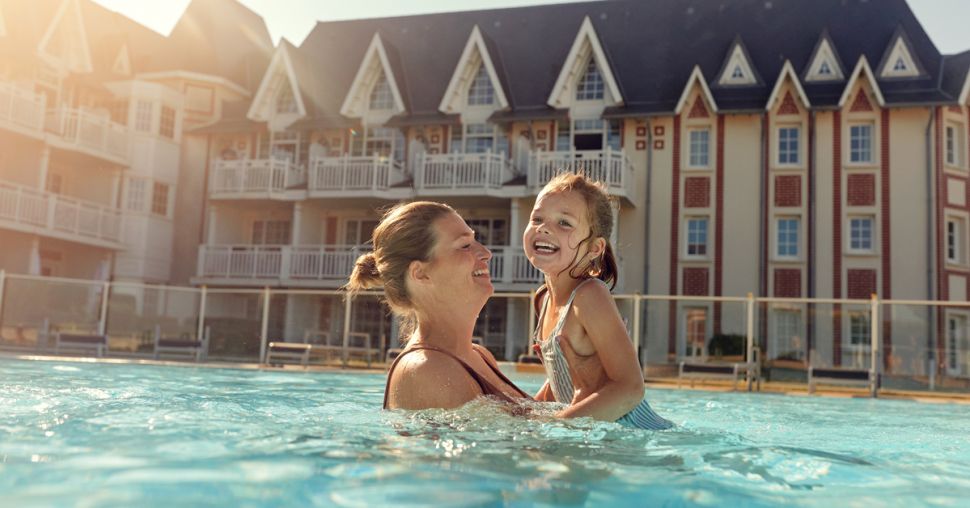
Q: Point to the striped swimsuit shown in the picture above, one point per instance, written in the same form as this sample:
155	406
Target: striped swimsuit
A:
557	371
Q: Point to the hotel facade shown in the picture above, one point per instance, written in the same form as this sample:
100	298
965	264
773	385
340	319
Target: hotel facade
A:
781	148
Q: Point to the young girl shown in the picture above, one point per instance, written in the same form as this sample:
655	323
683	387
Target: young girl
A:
589	359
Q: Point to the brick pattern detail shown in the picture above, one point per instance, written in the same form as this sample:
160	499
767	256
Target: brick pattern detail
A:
837	236
698	110
955	109
861	102
861	284
695	281
788	106
788	190
788	283
862	190
697	192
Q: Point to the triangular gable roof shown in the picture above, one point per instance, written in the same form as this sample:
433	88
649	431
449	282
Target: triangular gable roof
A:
696	77
68	12
281	64
738	61
460	77
572	64
375	61
122	62
900	50
788	71
862	69
825	54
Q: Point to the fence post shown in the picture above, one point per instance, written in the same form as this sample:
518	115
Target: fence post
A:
201	327
749	329
532	320
874	353
346	342
103	317
264	329
3	285
636	329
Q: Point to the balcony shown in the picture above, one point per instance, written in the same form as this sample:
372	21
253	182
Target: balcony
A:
256	179
510	266
461	173
87	132
44	213
611	167
21	109
353	176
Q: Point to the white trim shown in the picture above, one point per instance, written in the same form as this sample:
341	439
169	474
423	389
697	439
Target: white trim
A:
961	220
86	65
261	109
194	76
695	75
355	103
955	315
775	244
449	101
122	62
824	53
686	256
789	71
862	68
737	58
572	67
900	51
873	249
965	94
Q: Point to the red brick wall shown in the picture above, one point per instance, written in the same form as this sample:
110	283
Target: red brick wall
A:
788	283
861	283
861	102
697	192
788	106
695	281
788	190
698	110
862	190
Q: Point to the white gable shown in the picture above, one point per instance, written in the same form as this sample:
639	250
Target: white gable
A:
737	68
965	92
474	57
787	72
824	64
862	69
374	65
122	63
586	46
65	44
900	62
279	79
696	79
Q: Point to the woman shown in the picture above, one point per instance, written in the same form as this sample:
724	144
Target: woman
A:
435	276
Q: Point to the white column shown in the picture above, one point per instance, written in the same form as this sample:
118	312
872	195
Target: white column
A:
45	162
615	235
264	329
297	225
116	189
515	228
211	226
34	267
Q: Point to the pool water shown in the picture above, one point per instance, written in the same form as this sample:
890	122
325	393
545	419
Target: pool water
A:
87	434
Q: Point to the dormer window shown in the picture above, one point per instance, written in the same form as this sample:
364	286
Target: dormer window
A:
481	92
825	70
738	73
590	86
285	102
900	65
381	98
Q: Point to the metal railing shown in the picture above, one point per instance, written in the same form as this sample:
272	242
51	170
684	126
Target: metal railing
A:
255	176
21	107
350	173
612	167
57	213
453	171
87	130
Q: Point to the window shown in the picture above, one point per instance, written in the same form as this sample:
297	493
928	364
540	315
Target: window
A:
956	329
787	239
900	65
859	329
788	333
137	190
697	236
564	140
860	143
695	331
788	145
954	145
954	240
824	69
359	231
590	86
614	135
380	141
738	73
118	111
166	123
478	138
860	234
700	148
381	98
160	199
490	231
271	232
143	116
481	93
285	101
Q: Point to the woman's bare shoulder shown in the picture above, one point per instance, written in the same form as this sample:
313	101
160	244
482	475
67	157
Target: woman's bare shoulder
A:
430	379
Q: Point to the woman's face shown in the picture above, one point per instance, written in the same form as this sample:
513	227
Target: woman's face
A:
459	264
553	240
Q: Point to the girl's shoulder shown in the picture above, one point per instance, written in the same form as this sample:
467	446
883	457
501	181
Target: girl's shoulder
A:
592	294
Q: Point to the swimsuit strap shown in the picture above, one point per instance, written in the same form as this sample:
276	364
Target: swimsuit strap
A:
565	310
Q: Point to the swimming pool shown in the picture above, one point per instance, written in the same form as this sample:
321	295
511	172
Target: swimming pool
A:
134	435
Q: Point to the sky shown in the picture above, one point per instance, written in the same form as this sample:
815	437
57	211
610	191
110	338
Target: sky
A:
944	20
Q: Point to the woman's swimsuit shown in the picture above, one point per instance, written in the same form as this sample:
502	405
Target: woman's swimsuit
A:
560	382
486	387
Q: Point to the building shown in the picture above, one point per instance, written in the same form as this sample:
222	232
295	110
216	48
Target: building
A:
782	148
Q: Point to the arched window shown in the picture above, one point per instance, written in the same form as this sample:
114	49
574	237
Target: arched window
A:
481	93
380	95
590	86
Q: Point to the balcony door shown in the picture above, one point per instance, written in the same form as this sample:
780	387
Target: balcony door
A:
358	231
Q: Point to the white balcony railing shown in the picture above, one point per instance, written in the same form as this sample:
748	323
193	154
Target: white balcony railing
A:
264	176
609	166
462	170
63	215
349	173
21	107
87	130
510	266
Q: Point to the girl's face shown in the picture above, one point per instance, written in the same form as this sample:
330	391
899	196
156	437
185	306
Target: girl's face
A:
459	264
553	240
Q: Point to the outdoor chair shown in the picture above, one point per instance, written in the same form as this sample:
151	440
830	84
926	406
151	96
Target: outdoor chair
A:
181	347
845	376
279	353
81	343
694	370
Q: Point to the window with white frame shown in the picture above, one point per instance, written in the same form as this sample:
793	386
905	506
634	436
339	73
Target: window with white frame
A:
954	145
143	116
271	232
285	101
166	122
824	69
859	329
590	86
490	231
860	143
788	141
480	92
956	338
358	231
137	195
478	138
861	234
697	236
955	234
381	98
788	334
695	331
786	243
380	141
160	199
700	148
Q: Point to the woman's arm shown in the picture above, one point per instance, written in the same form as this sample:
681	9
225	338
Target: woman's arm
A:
623	388
545	393
429	379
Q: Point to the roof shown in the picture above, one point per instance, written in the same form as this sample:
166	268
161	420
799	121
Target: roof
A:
955	69
233	120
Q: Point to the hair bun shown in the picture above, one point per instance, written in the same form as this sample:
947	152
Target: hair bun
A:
366	274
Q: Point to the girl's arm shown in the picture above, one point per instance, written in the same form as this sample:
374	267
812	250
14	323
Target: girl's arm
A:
545	393
623	388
